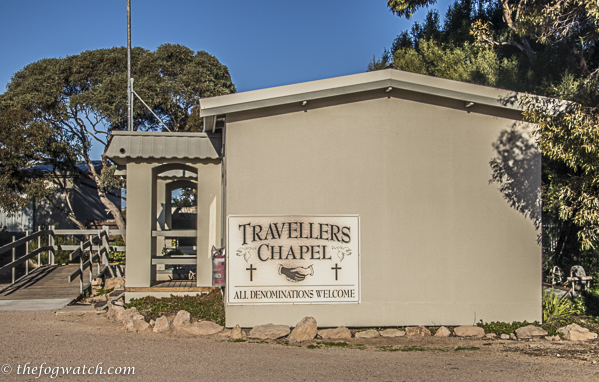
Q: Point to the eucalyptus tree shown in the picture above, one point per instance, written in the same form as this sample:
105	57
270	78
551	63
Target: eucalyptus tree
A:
54	110
547	48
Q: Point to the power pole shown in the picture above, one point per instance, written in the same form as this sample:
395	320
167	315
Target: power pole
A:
129	92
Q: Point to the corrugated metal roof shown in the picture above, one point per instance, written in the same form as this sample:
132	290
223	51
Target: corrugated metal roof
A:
127	145
381	79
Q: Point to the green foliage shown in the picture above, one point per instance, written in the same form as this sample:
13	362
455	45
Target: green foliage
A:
117	257
336	344
500	328
102	291
466	348
555	307
207	307
54	109
543	48
188	198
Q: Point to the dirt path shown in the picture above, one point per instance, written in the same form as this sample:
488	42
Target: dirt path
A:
75	341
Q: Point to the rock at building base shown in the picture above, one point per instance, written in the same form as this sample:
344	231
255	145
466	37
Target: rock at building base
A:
505	336
417	331
136	324
469	331
530	331
553	338
392	333
161	325
340	333
305	330
202	328
491	336
269	332
574	332
237	333
181	320
367	334
442	332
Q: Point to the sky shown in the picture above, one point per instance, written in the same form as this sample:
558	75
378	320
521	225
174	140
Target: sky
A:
264	43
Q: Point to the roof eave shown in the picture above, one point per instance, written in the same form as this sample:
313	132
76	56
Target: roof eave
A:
359	83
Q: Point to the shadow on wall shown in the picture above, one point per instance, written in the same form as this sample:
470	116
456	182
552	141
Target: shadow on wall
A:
517	171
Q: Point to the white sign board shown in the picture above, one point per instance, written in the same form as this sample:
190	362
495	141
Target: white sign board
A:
293	259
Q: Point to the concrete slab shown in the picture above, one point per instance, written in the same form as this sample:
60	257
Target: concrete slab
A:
78	309
47	304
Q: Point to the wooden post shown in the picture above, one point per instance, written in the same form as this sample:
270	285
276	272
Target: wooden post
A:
26	252
51	244
81	268
39	245
14	257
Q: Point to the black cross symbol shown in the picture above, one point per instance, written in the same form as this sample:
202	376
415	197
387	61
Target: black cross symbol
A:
251	269
336	268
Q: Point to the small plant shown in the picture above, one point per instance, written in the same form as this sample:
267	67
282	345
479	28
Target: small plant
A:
313	347
555	307
115	256
413	348
239	340
500	328
336	344
388	348
466	348
102	291
208	307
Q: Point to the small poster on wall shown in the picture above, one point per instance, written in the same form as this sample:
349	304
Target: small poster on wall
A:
293	259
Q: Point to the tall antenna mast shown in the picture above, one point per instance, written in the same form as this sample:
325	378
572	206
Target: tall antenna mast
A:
129	92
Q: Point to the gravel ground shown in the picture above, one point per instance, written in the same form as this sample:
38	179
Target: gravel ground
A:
78	340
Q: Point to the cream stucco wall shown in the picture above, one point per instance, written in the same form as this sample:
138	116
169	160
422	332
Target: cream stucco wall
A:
439	243
144	208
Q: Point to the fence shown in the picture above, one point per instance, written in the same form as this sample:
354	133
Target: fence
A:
92	251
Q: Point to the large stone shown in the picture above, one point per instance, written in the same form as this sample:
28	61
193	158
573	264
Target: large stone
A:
417	331
161	325
136	324
132	318
269	332
505	336
114	282
368	334
530	331
237	333
442	332
392	333
114	311
491	336
469	331
181	320
340	333
574	332
202	328
305	330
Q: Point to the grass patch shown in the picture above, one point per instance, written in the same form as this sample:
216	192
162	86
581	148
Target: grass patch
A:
239	340
313	347
336	344
413	348
387	348
488	344
206	307
102	291
466	348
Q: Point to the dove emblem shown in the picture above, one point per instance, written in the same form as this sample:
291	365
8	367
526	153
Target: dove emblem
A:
342	252
245	252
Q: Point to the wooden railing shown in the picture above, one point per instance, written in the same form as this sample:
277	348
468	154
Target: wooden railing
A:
93	251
